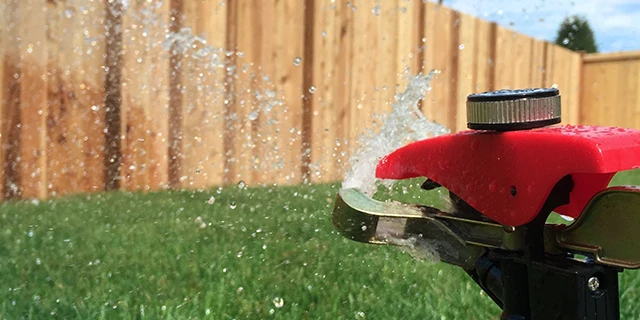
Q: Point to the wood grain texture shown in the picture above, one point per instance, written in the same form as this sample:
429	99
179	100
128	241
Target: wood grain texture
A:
467	67
203	74
33	100
344	102
363	71
11	101
145	90
609	92
94	100
326	36
289	37
441	32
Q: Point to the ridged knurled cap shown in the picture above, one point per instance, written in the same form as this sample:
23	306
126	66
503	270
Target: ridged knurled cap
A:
505	110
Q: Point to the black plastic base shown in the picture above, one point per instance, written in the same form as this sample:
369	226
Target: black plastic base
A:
559	289
532	285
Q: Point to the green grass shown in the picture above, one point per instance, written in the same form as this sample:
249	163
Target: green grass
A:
144	256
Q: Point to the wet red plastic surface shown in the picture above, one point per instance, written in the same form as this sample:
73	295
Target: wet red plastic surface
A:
483	167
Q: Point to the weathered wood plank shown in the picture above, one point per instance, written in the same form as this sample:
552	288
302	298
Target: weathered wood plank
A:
33	99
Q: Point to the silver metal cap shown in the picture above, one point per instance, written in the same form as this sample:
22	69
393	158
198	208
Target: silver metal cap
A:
505	110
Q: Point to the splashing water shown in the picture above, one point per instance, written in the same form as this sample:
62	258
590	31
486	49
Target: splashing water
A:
404	124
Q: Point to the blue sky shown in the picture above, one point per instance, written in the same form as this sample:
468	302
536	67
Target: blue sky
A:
616	23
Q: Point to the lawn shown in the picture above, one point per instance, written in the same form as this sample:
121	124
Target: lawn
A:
254	253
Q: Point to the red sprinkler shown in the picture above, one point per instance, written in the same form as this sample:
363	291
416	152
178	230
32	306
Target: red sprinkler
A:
505	176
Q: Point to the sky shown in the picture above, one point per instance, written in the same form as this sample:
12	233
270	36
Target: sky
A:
616	23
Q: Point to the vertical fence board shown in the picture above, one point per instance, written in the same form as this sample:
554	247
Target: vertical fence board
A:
409	34
11	101
575	78
135	65
593	93
362	76
203	75
521	67
92	96
266	128
113	95
504	76
33	100
62	161
75	131
537	63
344	103
158	99
289	46
441	33
389	46
467	67
174	128
144	96
239	161
485	46
326	36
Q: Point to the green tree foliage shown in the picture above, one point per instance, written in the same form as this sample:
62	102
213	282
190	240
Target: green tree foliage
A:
576	34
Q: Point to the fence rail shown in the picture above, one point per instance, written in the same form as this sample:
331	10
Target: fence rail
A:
144	95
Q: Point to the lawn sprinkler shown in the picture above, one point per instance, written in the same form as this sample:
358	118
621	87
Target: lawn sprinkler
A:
504	176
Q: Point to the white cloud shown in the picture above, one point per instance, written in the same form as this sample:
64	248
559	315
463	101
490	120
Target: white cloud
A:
616	23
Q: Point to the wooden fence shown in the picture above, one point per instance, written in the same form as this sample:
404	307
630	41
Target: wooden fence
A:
144	95
610	91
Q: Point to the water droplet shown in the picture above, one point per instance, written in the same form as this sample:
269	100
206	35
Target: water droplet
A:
207	312
364	228
233	205
312	89
324	33
278	302
461	46
297	61
240	289
376	10
38	261
95	107
253	115
241	184
271	311
211	200
565	41
360	315
164	308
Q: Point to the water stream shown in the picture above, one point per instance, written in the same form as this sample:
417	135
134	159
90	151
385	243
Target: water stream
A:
404	124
